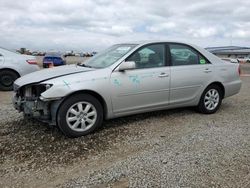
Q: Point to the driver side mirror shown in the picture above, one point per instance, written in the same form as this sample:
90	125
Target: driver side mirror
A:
127	65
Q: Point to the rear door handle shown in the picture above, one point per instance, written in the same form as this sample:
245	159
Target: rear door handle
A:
163	74
207	70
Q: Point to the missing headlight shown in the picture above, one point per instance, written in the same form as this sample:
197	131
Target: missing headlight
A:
47	86
32	92
28	92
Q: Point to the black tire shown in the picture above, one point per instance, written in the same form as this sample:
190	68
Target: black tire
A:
71	101
7	78
202	107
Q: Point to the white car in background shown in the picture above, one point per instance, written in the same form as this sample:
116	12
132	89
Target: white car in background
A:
13	66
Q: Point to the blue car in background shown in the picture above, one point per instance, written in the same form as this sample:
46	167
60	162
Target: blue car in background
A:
53	59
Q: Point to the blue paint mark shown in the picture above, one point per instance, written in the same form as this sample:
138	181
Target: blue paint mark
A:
135	79
66	84
117	82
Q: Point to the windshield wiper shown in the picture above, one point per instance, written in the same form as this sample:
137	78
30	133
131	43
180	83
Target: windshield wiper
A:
83	65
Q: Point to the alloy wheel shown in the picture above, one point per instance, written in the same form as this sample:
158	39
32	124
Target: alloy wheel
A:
81	116
211	99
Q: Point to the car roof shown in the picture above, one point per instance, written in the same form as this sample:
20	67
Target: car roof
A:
143	42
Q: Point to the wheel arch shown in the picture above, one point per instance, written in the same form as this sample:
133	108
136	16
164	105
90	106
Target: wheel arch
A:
220	85
9	69
90	92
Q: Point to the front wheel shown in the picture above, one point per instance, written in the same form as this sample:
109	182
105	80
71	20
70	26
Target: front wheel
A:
79	115
210	100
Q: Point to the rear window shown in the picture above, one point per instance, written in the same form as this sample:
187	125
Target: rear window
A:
184	55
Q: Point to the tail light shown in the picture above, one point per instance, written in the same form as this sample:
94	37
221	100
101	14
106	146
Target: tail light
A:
31	61
239	71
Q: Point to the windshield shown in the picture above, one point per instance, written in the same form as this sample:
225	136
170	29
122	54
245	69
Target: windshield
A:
108	56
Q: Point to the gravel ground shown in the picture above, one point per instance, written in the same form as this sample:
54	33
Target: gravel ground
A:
174	148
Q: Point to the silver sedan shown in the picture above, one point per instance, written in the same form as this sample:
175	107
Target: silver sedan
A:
126	79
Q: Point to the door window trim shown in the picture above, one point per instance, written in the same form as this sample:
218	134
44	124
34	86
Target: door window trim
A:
192	48
166	54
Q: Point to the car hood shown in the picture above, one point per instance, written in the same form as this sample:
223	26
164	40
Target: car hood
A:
46	74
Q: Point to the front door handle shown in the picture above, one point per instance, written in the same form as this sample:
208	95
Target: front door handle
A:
207	70
163	74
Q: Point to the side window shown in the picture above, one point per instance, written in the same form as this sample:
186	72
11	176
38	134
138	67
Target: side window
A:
184	55
149	56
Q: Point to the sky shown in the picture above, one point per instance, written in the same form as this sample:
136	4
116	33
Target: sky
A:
92	25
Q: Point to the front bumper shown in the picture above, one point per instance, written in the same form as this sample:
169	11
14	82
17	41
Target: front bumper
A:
44	111
32	108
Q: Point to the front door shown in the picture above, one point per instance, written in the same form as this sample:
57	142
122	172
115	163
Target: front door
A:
145	87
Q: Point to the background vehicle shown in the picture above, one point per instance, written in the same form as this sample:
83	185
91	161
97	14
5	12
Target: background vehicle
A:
244	59
14	65
127	79
230	60
53	60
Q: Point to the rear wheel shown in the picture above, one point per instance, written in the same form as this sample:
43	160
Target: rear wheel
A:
79	115
7	78
210	100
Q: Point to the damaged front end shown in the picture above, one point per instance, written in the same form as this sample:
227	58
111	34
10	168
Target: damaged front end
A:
27	99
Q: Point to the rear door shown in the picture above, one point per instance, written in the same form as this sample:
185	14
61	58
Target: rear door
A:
190	72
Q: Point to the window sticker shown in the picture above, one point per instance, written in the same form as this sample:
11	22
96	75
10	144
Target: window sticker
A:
202	61
123	48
